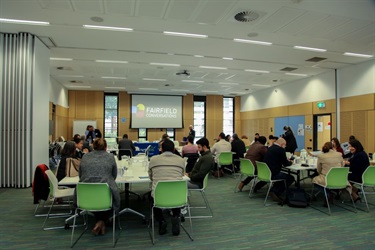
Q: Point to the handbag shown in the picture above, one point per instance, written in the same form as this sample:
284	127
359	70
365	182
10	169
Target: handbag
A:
72	167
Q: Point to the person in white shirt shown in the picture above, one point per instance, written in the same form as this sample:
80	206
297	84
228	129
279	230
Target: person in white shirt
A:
221	145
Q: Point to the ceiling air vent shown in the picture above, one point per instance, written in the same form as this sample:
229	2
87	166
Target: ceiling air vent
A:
64	68
246	16
316	59
288	69
74	81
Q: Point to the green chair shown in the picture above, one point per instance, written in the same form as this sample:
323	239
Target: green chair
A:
336	179
247	169
368	180
225	159
93	197
264	174
207	205
57	193
168	195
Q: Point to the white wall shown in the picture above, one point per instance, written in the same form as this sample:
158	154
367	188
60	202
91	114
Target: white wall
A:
40	105
58	94
316	88
357	80
353	80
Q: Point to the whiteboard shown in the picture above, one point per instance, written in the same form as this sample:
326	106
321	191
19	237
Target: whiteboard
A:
79	126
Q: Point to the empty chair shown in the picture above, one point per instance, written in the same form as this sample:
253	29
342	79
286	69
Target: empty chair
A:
56	193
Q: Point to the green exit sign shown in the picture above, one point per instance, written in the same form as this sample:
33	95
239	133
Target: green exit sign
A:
321	105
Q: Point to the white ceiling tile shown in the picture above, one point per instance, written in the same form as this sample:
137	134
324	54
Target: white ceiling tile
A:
88	6
213	13
325	26
302	22
181	9
279	19
55	4
153	9
124	7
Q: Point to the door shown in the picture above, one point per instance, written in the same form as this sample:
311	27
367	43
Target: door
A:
322	130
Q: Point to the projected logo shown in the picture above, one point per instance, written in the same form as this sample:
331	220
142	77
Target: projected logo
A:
139	110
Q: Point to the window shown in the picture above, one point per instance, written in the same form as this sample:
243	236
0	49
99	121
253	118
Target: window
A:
110	118
228	116
199	117
142	134
170	133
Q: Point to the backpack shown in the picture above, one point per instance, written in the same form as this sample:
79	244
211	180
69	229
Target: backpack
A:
296	197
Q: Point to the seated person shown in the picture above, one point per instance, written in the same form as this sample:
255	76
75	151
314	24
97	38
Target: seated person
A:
190	151
275	158
124	145
221	145
358	163
239	150
99	166
202	166
337	146
79	148
68	151
246	140
327	160
256	152
166	166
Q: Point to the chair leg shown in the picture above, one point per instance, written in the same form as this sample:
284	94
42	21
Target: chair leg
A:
191	225
364	197
252	186
268	191
49	211
326	197
238	183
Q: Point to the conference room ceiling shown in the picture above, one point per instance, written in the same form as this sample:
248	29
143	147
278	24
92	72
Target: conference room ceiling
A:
148	59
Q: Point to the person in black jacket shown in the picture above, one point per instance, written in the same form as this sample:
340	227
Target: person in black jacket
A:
291	143
239	148
276	159
358	163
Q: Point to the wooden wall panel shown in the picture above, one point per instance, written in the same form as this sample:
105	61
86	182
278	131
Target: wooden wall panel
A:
346	126
370	147
355	103
329	108
300	109
359	127
214	117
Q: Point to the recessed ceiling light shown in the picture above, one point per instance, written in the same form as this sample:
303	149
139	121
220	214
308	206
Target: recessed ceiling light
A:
170	33
227	58
148	88
229	83
257	71
295	74
60	59
154	79
309	48
83	87
165	64
261	85
357	55
110	61
74	76
197	81
113	77
115	87
198	56
97	27
251	41
211	67
209	91
6	20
